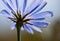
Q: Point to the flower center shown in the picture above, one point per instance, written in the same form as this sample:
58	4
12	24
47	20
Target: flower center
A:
18	19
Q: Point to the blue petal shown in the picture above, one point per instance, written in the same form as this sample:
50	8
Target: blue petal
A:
43	4
13	26
11	2
33	9
17	4
46	14
28	29
38	19
5	13
24	5
34	5
35	28
4	1
40	24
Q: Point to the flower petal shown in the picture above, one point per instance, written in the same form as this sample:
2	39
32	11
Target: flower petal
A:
40	24
35	28
46	14
6	3
21	6
43	4
22	28
24	5
33	9
28	29
17	4
13	26
35	4
39	19
5	13
11	2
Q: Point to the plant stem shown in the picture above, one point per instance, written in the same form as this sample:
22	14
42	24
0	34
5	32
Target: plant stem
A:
18	34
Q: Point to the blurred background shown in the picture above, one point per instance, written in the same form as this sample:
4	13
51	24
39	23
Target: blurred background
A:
51	33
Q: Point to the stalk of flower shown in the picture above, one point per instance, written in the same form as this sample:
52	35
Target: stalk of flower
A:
28	16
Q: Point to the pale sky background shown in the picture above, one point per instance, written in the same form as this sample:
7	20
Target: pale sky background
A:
5	25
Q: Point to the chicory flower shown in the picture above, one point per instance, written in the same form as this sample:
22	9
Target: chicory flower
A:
26	14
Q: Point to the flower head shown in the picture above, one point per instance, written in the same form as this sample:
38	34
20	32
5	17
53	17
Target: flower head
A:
26	14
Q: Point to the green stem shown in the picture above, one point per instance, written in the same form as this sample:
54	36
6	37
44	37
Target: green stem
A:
18	34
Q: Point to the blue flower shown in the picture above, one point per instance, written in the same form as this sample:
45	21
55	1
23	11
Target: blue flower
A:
26	14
